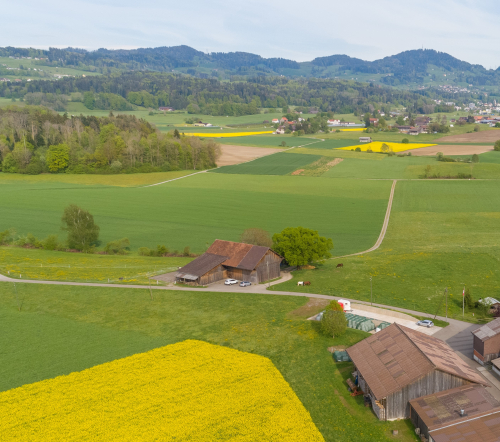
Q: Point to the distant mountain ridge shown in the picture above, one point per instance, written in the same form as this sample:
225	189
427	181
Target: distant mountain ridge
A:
413	66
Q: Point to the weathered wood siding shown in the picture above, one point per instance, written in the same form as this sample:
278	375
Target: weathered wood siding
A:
213	275
492	348
268	267
398	406
239	274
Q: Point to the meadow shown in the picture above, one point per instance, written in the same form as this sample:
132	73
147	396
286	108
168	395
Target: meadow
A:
61	330
281	163
441	234
201	208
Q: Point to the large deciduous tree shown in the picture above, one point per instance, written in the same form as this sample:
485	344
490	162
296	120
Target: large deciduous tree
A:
81	228
58	157
300	246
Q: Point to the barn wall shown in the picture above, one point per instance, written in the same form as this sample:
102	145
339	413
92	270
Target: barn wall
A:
269	267
398	406
418	422
214	275
492	348
239	274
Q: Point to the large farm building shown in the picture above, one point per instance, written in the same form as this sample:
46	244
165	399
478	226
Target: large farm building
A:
227	259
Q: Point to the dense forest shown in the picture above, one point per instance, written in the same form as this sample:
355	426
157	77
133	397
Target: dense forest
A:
214	97
35	140
403	68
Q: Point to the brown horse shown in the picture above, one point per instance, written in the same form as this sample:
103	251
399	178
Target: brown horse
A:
307	283
340	265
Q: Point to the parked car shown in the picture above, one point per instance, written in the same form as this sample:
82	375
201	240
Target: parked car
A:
230	281
426	323
245	283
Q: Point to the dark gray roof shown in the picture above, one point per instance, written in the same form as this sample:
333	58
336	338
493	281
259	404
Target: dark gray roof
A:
252	258
489	330
200	266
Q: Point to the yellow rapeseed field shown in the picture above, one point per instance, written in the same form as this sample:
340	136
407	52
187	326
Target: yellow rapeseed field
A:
191	390
353	129
227	135
376	146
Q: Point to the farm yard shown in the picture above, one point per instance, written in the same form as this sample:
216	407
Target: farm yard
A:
63	330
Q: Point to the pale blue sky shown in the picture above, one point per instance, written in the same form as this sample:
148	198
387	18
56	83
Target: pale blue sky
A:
299	30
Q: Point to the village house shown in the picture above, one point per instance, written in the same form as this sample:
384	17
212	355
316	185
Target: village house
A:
227	259
404	129
166	109
487	342
333	121
284	119
280	130
275	121
467	413
374	121
397	365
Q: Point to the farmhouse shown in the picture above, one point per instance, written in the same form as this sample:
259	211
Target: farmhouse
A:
166	109
398	364
227	259
463	413
275	121
487	342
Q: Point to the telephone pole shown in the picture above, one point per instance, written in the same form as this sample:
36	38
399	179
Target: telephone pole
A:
371	291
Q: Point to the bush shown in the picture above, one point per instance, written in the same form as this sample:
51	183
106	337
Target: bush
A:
144	251
187	251
50	243
161	251
118	247
358	149
7	236
497	146
476	128
475	158
405	140
468	301
334	322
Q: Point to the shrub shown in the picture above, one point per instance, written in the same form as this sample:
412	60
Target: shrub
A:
7	236
334	322
468	301
358	149
405	140
161	250
476	128
257	237
50	243
118	247
475	158
33	241
187	251
144	251
497	146
283	144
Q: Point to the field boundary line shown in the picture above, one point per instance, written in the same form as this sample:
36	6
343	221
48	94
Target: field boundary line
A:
384	227
173	179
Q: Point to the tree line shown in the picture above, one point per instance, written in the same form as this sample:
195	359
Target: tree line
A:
35	140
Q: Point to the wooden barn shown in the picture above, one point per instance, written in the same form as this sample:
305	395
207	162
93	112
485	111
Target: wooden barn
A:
468	413
487	342
398	364
227	259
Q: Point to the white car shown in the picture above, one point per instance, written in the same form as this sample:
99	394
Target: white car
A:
230	281
426	323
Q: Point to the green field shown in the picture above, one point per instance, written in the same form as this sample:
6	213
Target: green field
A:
65	329
441	234
197	210
281	163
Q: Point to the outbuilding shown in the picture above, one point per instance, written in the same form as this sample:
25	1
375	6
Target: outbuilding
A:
365	139
487	342
227	259
468	413
398	364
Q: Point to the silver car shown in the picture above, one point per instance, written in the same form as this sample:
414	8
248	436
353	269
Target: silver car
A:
245	283
426	323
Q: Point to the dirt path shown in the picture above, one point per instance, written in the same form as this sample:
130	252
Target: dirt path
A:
449	150
384	226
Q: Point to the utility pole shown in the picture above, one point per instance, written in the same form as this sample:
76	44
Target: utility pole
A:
446	295
463	303
371	291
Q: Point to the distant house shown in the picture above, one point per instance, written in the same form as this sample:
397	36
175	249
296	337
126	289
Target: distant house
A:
275	121
397	365
404	129
415	131
227	259
487	342
374	121
365	139
166	109
333	121
280	130
284	119
467	413
313	111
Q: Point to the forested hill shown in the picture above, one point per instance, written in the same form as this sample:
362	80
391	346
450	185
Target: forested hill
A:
415	66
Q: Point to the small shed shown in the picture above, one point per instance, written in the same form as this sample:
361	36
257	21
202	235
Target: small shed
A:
365	139
487	342
452	414
398	364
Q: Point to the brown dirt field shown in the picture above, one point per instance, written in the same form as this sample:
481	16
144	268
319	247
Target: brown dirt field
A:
313	307
298	172
449	150
486	136
239	154
335	162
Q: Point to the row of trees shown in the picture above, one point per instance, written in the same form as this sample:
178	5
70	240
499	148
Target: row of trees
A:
34	140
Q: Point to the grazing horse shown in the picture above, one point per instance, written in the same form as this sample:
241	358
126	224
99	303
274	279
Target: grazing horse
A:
340	265
307	283
300	283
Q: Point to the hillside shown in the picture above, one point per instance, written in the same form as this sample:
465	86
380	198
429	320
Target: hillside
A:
414	67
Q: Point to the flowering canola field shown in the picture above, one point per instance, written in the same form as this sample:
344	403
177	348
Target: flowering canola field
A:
225	135
376	146
191	390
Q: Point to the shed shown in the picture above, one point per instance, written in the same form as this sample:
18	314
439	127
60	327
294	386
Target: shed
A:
487	342
227	259
365	139
495	366
398	364
438	414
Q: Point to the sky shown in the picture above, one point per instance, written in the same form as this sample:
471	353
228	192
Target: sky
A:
297	30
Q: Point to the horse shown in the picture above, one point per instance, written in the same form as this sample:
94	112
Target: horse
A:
340	265
300	283
307	283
